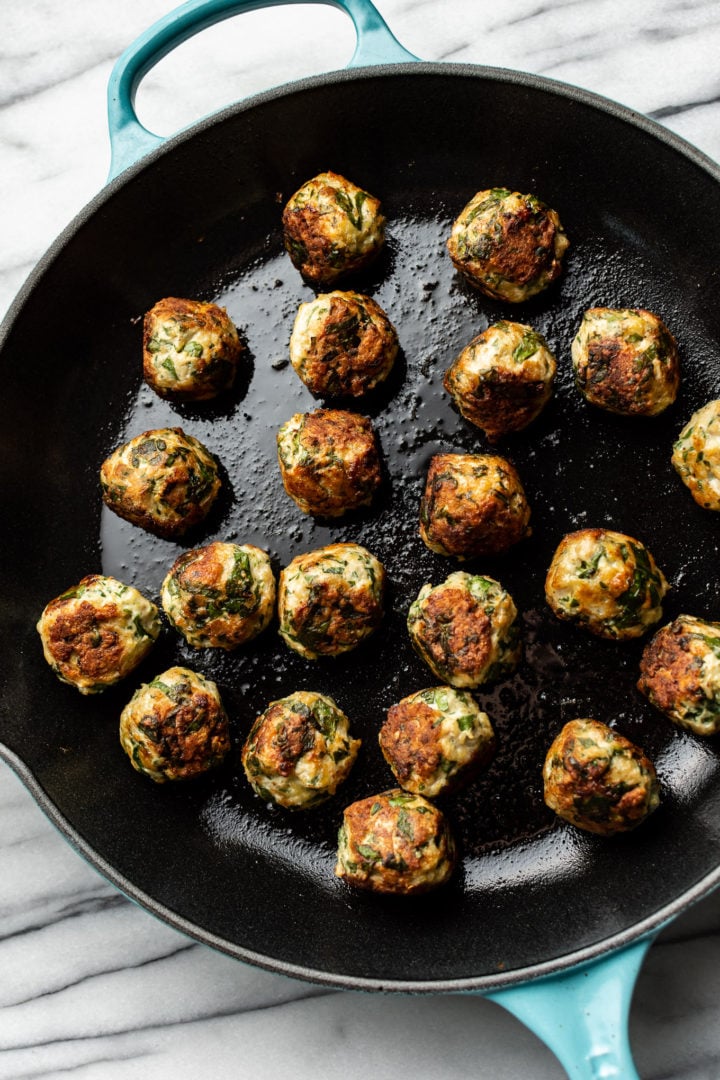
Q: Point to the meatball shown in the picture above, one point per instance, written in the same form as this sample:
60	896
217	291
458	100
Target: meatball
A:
606	582
626	361
465	629
474	504
175	728
330	600
436	740
502	379
190	349
395	843
163	480
299	751
598	780
332	228
696	456
680	673
329	461
342	344
508	245
97	632
221	595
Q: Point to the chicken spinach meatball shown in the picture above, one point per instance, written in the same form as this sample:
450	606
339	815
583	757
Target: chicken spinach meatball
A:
599	780
190	349
626	361
163	480
501	381
299	751
175	728
696	456
436	740
332	228
474	504
329	461
330	600
508	245
465	629
97	632
680	673
221	595
342	344
395	843
606	582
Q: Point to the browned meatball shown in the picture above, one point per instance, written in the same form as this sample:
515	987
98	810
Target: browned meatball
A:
342	344
395	843
626	361
680	673
508	245
474	504
599	780
299	750
163	480
330	600
329	461
175	728
190	349
331	228
436	740
97	632
502	380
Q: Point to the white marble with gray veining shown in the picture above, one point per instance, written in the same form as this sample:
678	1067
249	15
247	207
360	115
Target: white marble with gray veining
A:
90	985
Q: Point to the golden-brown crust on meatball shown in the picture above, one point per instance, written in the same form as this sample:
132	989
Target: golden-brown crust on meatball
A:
329	461
190	349
299	751
408	737
454	623
598	780
508	245
331	228
680	673
395	843
626	361
97	632
163	481
342	344
175	727
502	379
474	504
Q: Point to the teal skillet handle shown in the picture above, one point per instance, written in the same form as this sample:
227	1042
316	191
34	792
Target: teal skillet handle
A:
130	141
582	1015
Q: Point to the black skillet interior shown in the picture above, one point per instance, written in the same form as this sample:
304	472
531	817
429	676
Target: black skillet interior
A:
203	220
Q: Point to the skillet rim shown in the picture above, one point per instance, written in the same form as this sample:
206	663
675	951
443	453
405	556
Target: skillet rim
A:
484	983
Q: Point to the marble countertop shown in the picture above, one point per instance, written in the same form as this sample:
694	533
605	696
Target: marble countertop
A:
92	985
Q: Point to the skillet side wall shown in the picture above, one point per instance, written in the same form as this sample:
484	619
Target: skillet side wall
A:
202	219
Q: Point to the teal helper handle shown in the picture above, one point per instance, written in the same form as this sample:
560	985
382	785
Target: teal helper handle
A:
130	141
582	1015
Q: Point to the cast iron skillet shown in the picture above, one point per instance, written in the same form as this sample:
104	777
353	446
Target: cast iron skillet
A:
199	216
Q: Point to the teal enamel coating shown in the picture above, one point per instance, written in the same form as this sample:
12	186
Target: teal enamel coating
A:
582	1014
130	141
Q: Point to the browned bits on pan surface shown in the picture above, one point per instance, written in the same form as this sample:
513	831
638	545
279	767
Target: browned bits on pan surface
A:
474	504
329	461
